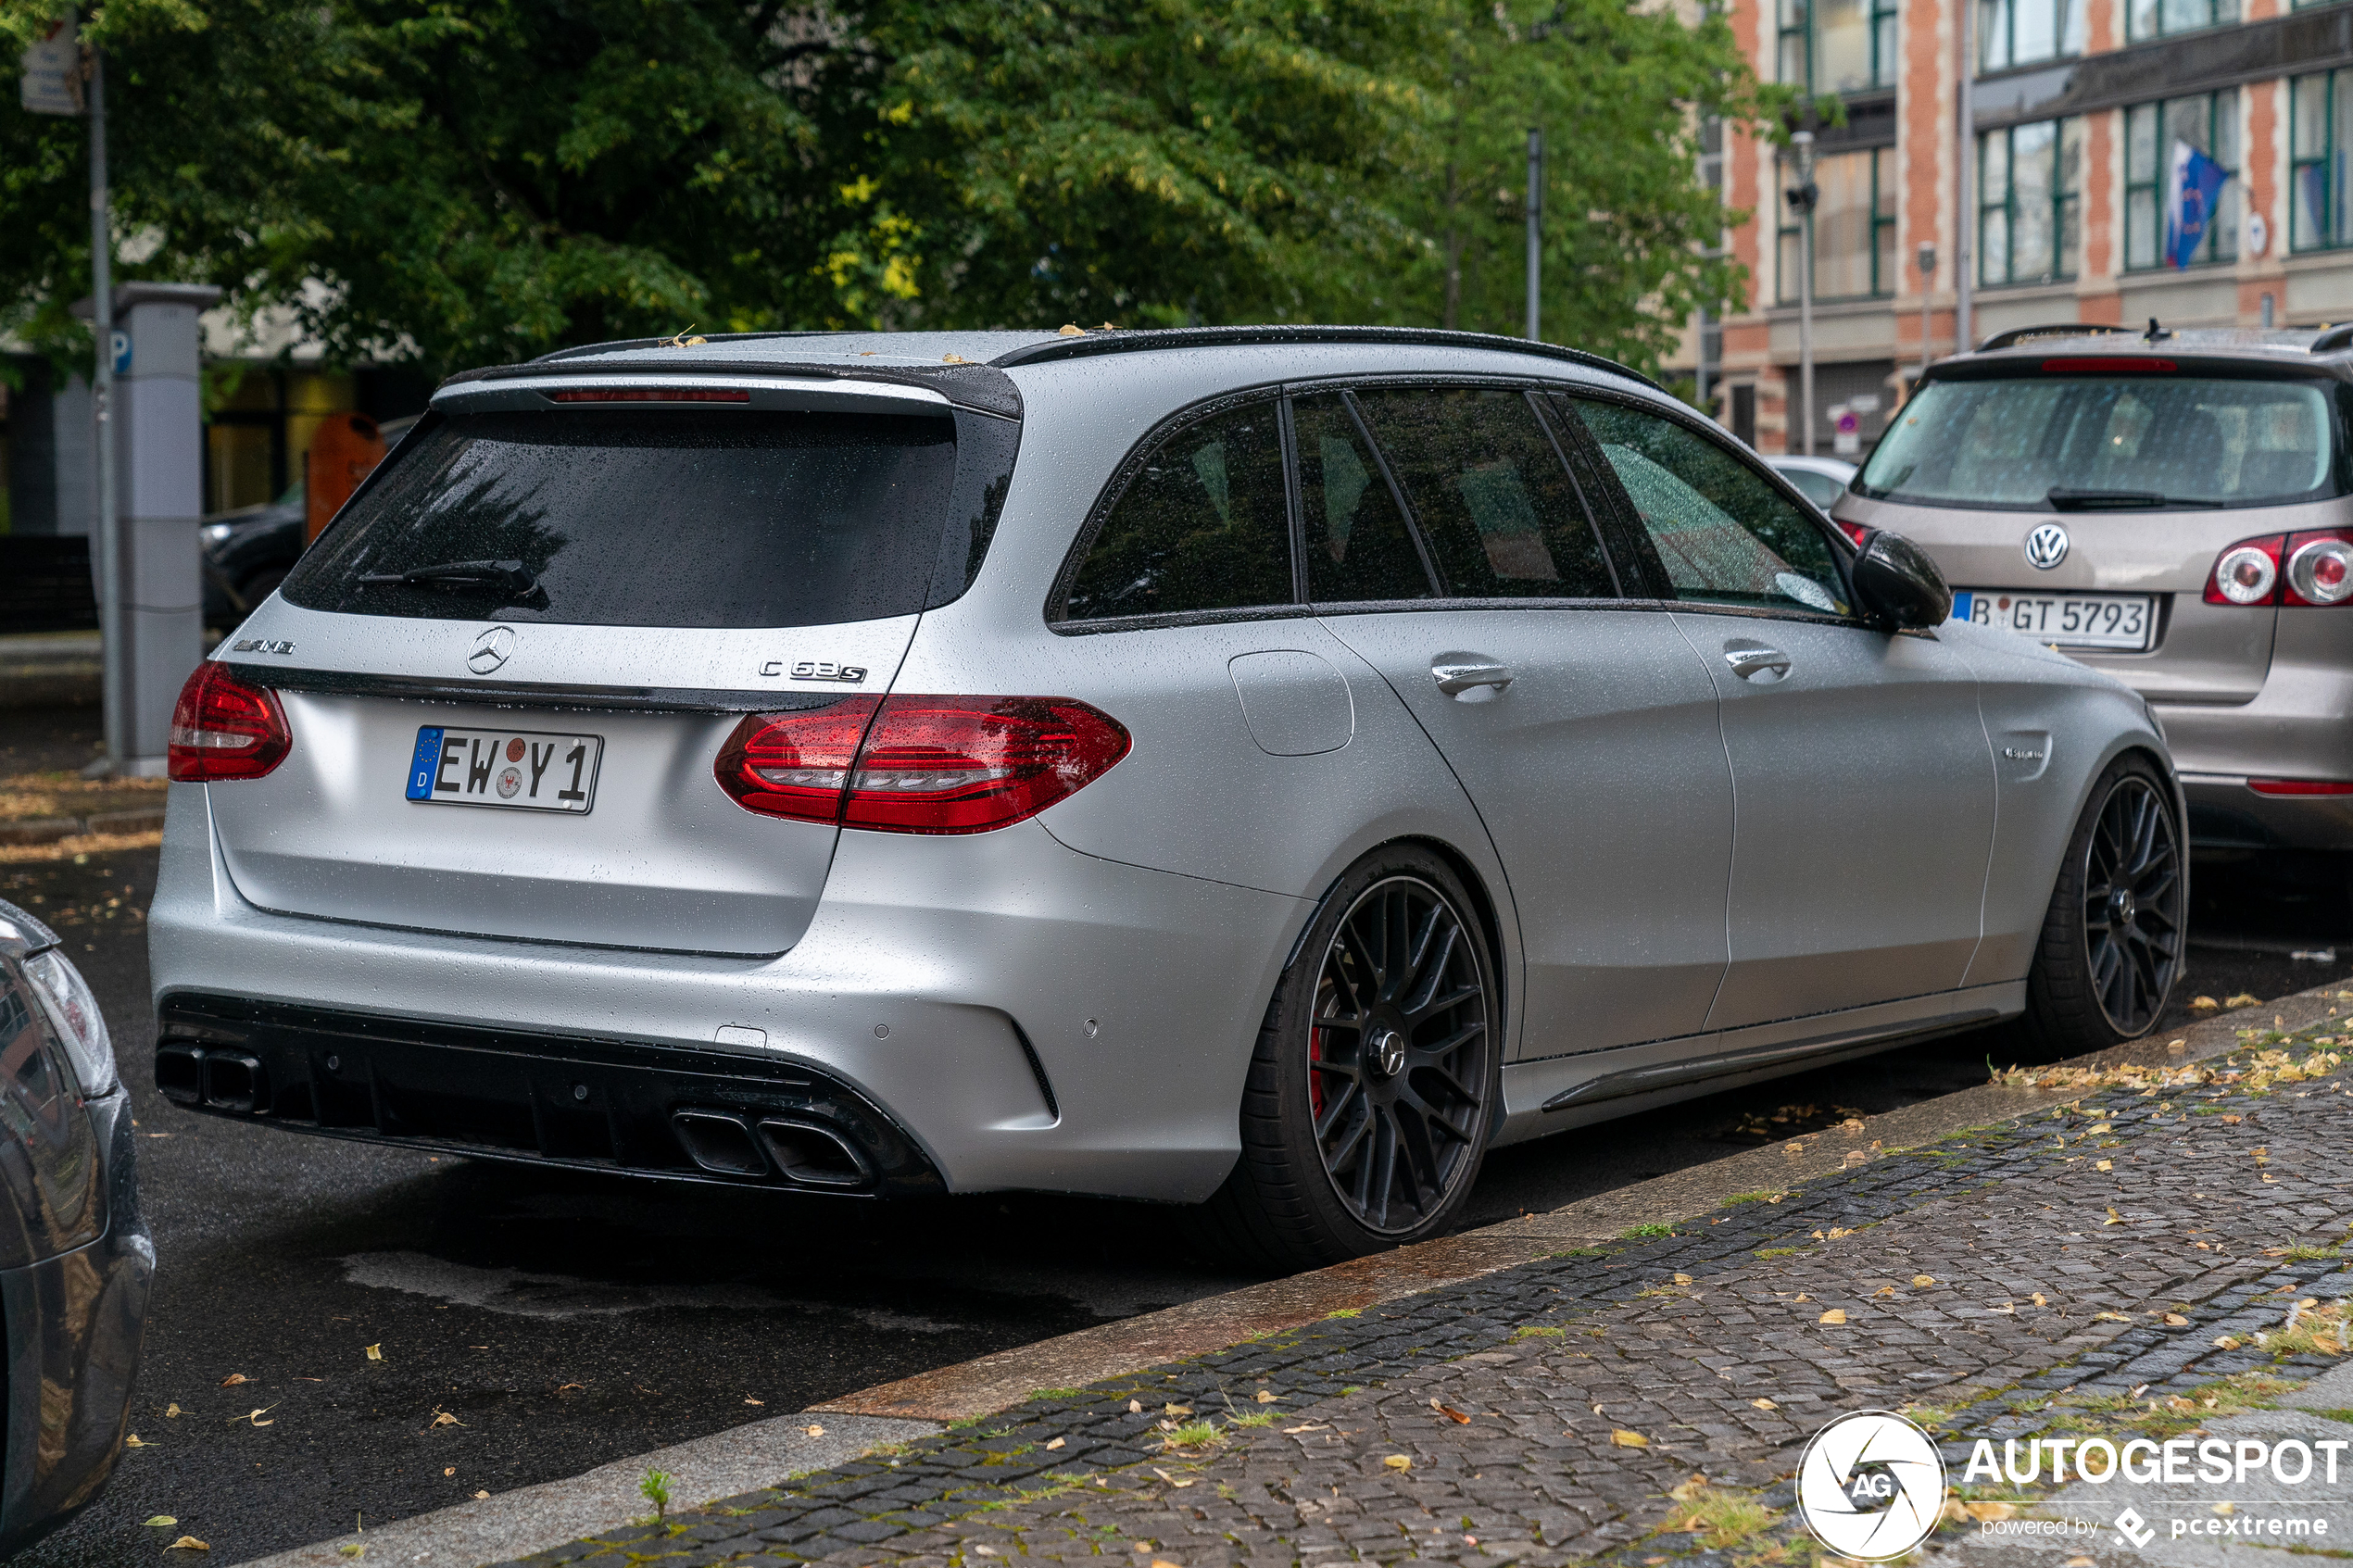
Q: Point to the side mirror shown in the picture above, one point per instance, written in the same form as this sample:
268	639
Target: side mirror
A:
1897	584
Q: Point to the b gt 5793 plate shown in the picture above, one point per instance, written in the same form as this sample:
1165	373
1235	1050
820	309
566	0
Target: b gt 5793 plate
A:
2067	620
522	770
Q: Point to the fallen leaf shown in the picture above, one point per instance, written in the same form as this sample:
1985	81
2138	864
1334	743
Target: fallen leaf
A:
2175	1319
352	1548
443	1418
1683	1279
2226	1508
1803	1297
1265	1399
375	1352
1176	1410
1134	1408
2099	1127
2243	999
2203	1004
1310	1426
479	1495
1398	1461
2226	1342
1622	1438
1451	1414
749	1400
187	1543
2113	1218
1884	1290
232	1381
2038	1299
1685	1491
1854	1157
449	1470
2105	1165
815	1431
1835	1316
2080	1562
171	1410
160	1521
1992	1511
568	1387
1056	1444
1922	1280
1071	328
132	1442
255	1416
2232	1120
1764	1404
2113	1317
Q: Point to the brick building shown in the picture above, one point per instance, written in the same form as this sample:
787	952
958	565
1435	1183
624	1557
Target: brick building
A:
2077	107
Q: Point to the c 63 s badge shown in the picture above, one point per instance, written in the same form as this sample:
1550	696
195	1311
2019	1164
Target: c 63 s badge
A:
818	670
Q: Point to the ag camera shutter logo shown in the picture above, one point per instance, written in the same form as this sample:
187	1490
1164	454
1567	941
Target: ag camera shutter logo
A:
1871	1486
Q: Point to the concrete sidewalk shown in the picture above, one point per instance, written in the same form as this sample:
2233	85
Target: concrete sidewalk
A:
1644	1399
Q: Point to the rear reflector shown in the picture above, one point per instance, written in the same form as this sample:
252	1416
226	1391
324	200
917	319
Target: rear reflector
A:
2107	367
2299	787
221	728
920	764
649	394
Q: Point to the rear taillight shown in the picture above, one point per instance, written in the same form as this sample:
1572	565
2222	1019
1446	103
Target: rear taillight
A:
1854	531
2299	787
2308	571
920	764
2320	568
2247	573
221	728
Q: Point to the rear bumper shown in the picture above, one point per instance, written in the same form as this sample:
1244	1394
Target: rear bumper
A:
1020	1014
2226	814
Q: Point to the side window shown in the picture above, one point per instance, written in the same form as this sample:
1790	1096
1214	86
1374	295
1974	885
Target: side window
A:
1487	487
1358	547
1203	525
1724	533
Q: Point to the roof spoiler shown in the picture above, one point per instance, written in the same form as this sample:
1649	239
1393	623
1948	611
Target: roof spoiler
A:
2017	335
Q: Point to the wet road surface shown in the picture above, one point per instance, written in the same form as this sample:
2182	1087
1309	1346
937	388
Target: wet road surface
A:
532	1324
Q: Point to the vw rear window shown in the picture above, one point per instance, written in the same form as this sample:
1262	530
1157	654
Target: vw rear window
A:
2099	441
735	519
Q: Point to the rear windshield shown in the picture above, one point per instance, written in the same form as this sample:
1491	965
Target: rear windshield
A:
2108	441
645	519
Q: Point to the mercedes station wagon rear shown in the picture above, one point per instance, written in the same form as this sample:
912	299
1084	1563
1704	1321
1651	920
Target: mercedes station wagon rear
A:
1252	768
2176	510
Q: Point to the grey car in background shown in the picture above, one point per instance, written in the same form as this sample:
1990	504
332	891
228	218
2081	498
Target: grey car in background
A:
75	1258
1256	768
1821	480
2173	508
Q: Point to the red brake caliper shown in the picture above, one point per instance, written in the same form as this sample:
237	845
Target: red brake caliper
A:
1315	1079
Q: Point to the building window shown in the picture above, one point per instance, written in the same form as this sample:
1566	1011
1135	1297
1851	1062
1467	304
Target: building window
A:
2209	122
1853	229
2320	147
2030	178
2155	18
2020	32
1838	46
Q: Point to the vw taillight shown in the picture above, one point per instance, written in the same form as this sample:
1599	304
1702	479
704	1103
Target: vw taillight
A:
2320	568
2247	573
222	728
921	764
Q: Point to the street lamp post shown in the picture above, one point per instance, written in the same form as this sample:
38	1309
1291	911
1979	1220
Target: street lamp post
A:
1926	257
1535	230
1804	198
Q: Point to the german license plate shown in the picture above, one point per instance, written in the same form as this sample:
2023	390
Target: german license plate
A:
2068	621
522	770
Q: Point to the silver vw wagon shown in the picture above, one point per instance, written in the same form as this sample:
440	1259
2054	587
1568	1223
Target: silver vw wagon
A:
1258	768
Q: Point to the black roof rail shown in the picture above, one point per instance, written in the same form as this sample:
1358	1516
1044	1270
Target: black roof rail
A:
2017	335
1141	338
2332	338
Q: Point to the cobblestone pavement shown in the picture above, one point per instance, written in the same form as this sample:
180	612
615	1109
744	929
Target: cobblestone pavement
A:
2095	1260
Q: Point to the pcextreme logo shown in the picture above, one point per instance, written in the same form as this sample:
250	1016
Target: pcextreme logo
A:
1871	1486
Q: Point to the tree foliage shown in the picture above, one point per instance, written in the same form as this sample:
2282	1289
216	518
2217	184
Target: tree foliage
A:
459	181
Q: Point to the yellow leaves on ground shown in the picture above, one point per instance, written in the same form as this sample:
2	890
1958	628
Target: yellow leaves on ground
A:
1621	1438
2175	1319
1835	1316
2113	1218
1451	1414
443	1418
375	1352
2243	999
234	1379
1684	1491
815	1431
2105	1165
172	1408
1266	1397
2038	1299
132	1442
1764	1404
1398	1461
1056	1444
159	1522
1923	1281
187	1543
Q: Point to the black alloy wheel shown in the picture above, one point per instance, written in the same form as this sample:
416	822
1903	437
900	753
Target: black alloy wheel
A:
2133	905
1398	1055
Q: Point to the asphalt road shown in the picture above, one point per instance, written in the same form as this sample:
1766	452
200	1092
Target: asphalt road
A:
562	1321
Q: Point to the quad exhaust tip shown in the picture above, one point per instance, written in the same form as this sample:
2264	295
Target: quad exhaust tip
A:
229	1081
804	1151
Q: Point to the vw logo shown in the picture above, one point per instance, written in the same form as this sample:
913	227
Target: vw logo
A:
2046	546
1871	1486
491	650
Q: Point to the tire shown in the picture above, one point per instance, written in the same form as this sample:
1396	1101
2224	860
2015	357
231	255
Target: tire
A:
2111	946
1361	1137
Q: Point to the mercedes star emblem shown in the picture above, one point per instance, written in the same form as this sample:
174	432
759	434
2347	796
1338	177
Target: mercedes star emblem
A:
491	650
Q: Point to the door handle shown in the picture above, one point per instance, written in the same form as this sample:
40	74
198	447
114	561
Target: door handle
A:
1749	663
1462	678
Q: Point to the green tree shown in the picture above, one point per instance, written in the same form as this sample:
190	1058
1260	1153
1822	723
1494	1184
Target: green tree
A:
461	181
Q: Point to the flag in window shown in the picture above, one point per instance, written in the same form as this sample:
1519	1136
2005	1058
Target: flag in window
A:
2190	189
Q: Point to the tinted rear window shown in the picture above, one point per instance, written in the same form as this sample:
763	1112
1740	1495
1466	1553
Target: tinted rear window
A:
650	519
2110	439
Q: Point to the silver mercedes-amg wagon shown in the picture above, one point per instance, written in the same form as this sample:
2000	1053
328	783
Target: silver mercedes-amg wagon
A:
1259	767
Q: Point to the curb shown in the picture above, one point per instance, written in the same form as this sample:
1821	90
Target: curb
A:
536	1518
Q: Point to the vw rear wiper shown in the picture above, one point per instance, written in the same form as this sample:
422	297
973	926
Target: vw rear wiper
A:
2069	500
512	576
